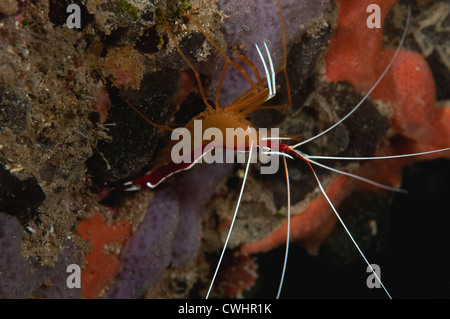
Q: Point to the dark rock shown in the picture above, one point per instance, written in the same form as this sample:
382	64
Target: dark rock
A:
133	139
19	197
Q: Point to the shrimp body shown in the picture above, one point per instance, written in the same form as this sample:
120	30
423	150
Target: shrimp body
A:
221	119
218	119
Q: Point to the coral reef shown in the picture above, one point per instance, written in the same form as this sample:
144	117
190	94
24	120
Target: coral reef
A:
173	218
408	85
125	66
9	7
68	136
45	134
22	278
102	265
255	22
418	123
145	257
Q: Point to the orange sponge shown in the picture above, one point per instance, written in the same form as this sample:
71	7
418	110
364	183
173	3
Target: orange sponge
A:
101	265
356	56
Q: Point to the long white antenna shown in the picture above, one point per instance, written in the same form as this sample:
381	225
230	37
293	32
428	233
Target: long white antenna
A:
372	157
363	179
346	229
288	228
232	222
402	41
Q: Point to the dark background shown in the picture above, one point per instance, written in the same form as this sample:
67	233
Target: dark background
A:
413	258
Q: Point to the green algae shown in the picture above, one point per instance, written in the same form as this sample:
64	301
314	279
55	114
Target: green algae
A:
123	6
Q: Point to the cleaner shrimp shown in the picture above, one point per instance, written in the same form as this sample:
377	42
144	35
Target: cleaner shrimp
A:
235	115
